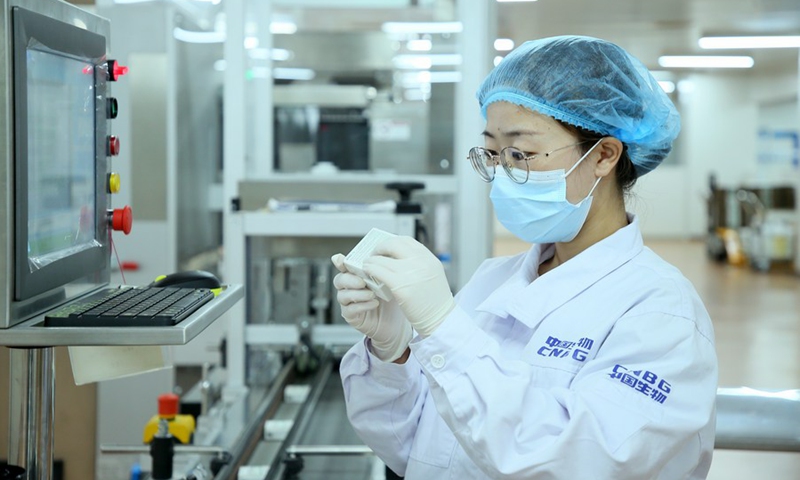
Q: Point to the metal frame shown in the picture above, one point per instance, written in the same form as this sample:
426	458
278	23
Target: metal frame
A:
32	388
12	312
32	334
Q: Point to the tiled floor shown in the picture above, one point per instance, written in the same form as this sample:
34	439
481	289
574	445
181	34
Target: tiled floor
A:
757	325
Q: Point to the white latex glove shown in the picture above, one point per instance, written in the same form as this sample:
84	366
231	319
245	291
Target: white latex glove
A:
417	281
381	321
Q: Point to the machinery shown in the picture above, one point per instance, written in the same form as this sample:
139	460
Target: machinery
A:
752	226
57	216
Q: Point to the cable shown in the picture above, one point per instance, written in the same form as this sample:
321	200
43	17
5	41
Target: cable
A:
116	253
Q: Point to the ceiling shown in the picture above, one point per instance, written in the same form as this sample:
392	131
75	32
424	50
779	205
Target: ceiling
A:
650	28
646	28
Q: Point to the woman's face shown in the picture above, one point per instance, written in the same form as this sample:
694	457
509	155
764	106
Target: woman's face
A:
509	125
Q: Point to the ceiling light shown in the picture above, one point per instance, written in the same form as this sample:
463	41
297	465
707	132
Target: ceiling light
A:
250	42
774	41
418	62
422	27
282	27
667	86
497	60
503	44
190	36
417	94
274	54
413	79
293	73
705	61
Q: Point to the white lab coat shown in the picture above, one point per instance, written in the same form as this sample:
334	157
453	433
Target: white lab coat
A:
603	368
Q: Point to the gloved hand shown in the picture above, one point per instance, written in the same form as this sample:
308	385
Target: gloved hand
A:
417	281
382	322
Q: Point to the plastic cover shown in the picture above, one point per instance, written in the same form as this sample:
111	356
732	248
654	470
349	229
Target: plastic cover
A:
62	176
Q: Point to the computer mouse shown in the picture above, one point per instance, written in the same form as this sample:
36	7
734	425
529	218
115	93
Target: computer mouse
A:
188	279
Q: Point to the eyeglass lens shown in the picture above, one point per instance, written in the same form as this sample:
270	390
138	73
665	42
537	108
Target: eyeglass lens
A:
515	163
483	162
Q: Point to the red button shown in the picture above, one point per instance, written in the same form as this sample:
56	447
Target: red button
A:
168	405
122	219
113	145
115	70
129	265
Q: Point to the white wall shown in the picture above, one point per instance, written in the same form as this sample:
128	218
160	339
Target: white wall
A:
721	117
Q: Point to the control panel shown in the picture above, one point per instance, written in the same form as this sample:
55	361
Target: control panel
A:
119	219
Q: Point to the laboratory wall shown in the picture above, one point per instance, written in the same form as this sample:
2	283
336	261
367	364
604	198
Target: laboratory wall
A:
722	115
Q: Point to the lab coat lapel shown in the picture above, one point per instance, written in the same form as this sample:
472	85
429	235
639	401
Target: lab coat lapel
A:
555	288
514	285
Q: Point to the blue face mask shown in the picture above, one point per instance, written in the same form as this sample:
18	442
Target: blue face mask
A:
538	211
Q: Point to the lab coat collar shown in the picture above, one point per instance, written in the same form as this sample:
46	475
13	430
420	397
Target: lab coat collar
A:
523	272
531	301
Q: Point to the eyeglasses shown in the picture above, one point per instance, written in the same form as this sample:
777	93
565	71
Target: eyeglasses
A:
515	162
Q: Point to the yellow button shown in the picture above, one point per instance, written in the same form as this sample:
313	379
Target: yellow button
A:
113	183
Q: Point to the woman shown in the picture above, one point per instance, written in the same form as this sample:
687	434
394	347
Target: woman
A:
588	356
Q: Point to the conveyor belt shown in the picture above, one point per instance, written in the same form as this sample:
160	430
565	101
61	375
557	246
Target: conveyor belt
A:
327	444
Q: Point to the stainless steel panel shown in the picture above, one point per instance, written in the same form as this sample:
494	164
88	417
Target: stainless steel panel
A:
149	134
6	170
291	290
323	95
198	144
341	54
399	136
9	312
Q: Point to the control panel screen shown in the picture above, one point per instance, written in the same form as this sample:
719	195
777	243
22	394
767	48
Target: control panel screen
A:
61	156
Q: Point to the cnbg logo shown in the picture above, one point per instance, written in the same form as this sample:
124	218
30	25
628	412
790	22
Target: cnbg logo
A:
554	347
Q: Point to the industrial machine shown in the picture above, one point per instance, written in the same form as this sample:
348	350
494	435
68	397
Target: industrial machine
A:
753	226
57	216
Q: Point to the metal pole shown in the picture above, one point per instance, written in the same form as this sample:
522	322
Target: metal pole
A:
178	449
31	394
330	450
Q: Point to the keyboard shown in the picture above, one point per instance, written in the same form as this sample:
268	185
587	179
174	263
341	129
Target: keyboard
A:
130	307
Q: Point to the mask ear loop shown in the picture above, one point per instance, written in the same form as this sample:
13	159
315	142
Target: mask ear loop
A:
593	187
582	158
579	162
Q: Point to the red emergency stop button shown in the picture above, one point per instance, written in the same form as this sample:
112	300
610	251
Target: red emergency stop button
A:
112	148
122	219
115	70
167	405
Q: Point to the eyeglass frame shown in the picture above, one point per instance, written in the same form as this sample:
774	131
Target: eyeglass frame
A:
506	164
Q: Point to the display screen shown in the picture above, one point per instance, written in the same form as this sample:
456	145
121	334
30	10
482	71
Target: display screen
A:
61	156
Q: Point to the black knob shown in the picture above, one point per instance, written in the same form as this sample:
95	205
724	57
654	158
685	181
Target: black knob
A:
405	205
11	472
112	107
219	461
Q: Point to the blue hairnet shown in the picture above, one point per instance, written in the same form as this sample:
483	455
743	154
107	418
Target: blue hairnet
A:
592	84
